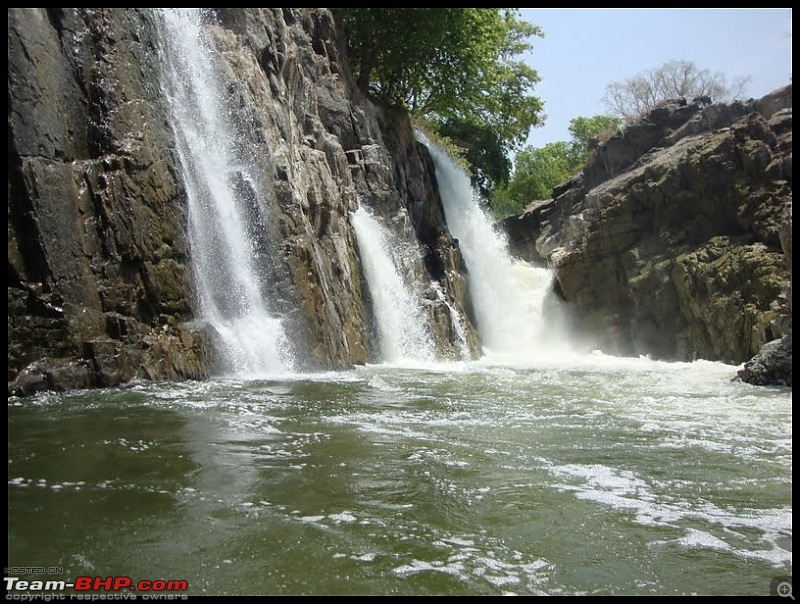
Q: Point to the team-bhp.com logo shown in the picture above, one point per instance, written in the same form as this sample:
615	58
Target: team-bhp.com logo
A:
96	584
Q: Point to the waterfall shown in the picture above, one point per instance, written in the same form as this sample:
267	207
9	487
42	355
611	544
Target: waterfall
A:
402	325
508	296
224	209
456	320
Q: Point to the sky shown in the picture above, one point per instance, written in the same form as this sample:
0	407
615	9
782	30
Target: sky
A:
584	50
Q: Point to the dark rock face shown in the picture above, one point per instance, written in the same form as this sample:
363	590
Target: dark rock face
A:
326	149
100	287
669	242
773	364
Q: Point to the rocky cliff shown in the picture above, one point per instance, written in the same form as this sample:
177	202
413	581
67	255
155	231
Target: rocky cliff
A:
100	286
673	241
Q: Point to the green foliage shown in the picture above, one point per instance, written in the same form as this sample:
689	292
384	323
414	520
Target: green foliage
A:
455	151
632	98
457	67
538	170
483	150
584	129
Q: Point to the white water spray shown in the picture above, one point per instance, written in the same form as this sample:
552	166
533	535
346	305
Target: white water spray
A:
229	287
456	320
508	296
403	327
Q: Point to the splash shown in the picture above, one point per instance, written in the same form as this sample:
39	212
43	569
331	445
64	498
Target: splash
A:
510	297
404	329
224	213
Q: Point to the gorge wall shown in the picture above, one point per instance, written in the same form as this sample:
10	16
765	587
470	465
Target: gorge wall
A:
100	286
675	241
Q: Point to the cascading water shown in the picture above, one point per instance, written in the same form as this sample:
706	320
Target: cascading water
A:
403	328
230	291
456	320
508	296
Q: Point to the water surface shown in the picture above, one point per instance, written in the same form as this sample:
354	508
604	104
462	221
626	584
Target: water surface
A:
587	475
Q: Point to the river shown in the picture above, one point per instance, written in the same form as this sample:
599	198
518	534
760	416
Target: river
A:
584	475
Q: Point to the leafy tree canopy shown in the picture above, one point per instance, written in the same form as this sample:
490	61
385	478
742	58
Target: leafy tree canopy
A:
584	129
483	150
537	171
458	67
632	98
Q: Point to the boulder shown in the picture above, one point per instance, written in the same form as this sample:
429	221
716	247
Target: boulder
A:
672	242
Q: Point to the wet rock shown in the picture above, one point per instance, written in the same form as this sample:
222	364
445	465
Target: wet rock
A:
100	287
772	366
671	242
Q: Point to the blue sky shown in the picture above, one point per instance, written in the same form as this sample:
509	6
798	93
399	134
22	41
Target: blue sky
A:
583	50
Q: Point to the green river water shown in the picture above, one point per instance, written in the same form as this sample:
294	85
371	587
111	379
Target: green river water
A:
581	475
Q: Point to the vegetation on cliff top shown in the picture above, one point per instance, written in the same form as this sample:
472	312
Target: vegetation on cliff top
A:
458	72
636	96
537	170
458	68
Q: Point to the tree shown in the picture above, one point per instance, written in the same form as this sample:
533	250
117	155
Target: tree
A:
457	67
483	150
537	171
630	99
584	129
